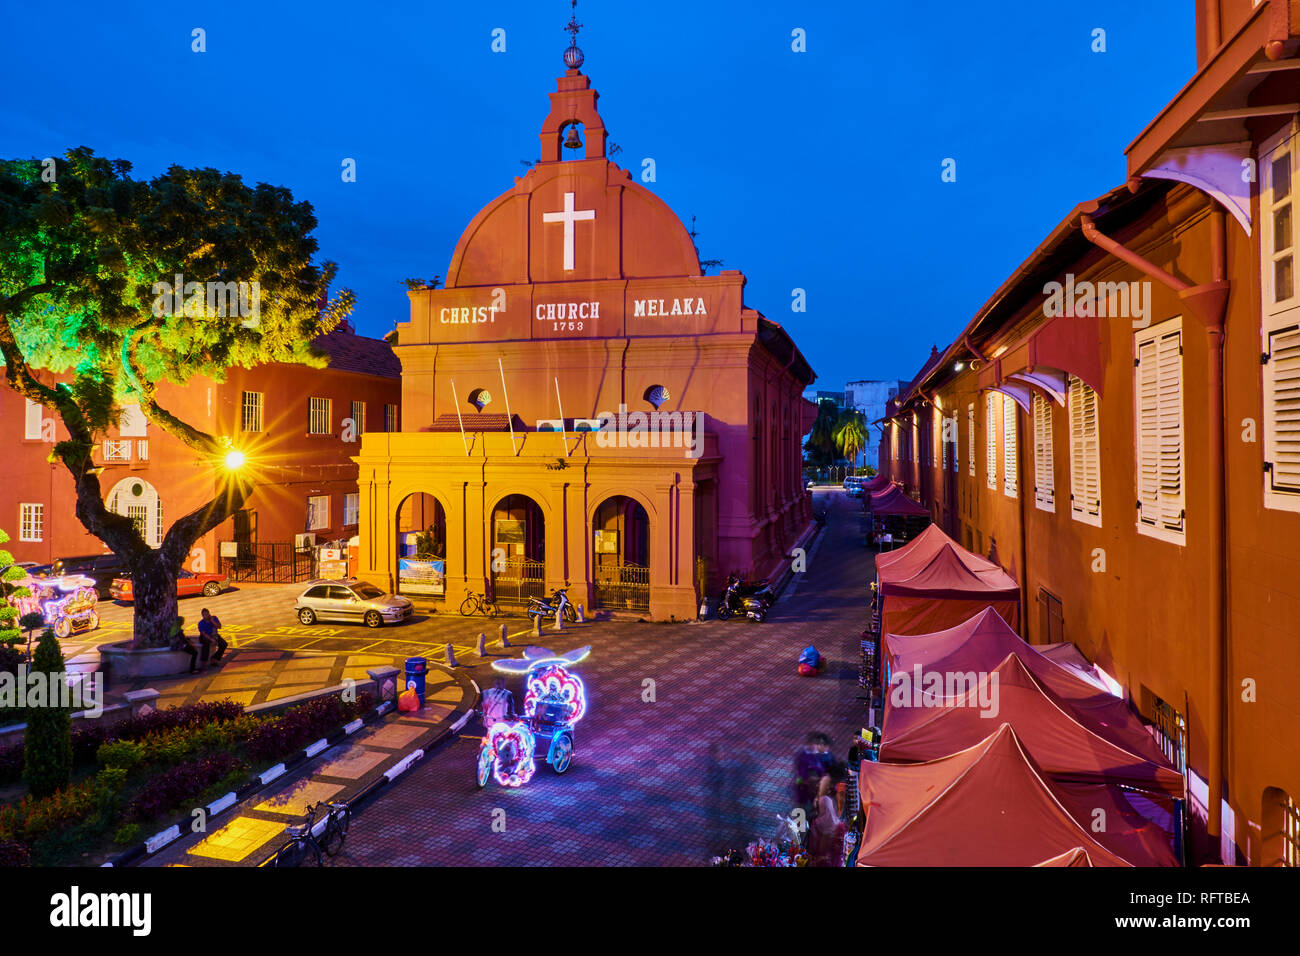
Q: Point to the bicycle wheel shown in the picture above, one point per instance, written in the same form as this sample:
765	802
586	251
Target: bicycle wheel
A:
468	606
288	855
332	838
490	609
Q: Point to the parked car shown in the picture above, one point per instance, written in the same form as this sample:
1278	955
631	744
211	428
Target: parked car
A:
188	583
100	568
351	601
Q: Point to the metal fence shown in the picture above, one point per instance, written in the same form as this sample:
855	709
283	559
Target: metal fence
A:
275	562
519	581
622	587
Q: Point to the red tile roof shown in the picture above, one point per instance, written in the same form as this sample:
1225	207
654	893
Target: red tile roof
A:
349	352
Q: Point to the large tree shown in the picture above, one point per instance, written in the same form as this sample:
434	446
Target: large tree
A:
84	329
820	447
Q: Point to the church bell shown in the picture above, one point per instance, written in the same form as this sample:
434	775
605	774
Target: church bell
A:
573	140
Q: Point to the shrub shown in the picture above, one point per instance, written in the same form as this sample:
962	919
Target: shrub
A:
33	816
14	854
47	760
170	789
127	834
119	754
280	736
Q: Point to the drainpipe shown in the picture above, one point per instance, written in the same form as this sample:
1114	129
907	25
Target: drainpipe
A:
1209	304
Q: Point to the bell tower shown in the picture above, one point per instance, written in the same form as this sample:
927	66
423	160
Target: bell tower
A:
573	105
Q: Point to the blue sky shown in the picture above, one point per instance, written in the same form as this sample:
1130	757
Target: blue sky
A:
816	170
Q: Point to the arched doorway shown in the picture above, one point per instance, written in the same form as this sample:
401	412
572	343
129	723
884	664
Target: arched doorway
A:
421	546
138	500
620	546
517	539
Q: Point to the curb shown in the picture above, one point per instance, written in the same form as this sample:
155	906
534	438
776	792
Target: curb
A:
164	838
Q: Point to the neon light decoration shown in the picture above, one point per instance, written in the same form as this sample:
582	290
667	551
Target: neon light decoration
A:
67	603
515	743
551	683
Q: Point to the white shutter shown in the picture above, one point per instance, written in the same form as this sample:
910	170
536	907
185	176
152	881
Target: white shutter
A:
990	444
1282	412
32	425
1085	463
1044	476
1158	390
1010	473
955	436
970	439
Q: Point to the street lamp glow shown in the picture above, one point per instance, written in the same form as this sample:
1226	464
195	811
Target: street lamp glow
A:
234	460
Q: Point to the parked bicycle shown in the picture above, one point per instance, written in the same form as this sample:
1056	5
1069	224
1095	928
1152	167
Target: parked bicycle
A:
303	841
479	603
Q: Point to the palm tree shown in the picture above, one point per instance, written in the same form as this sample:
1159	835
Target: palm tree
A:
850	434
821	439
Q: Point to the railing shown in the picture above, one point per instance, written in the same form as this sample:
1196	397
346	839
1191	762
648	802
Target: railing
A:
519	581
622	587
117	450
276	562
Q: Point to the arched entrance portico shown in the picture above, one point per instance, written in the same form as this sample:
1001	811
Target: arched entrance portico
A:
421	545
620	542
517	550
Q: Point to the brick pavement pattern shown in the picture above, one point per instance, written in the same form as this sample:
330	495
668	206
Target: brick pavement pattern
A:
704	767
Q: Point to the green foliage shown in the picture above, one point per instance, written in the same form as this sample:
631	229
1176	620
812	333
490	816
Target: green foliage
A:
119	754
47	747
95	243
127	835
821	447
850	433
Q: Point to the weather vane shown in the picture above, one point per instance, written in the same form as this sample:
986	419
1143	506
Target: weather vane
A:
573	56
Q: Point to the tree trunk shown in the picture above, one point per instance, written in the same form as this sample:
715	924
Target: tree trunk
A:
153	586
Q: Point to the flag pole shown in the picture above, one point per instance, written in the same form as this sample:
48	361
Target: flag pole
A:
456	400
510	419
563	427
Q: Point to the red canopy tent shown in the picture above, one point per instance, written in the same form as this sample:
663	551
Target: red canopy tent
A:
984	641
892	501
990	805
873	485
1069	746
944	593
916	554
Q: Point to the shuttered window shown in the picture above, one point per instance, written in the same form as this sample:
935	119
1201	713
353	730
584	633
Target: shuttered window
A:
990	443
953	438
32	423
1280	328
1282	414
970	439
1085	454
1044	476
1158	395
1010	469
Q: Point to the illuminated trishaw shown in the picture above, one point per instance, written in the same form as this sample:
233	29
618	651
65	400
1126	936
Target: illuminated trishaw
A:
554	701
66	602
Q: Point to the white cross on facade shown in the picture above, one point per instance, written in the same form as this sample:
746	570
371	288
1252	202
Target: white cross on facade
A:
569	217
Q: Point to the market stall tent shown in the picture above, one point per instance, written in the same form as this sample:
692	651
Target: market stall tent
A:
917	553
983	641
892	502
988	805
943	594
1069	745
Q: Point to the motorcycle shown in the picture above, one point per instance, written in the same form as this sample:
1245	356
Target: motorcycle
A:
747	598
557	603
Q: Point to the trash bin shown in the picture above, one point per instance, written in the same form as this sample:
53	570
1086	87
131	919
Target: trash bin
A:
416	667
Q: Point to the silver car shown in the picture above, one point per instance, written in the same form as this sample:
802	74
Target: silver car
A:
351	601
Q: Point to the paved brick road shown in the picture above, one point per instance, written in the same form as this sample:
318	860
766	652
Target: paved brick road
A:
704	767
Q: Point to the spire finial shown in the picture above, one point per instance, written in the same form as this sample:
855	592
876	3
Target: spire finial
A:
573	57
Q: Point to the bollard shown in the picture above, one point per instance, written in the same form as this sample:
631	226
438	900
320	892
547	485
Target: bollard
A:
537	625
559	622
481	650
582	616
505	637
451	656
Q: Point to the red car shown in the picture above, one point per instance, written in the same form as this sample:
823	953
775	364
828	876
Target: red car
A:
188	583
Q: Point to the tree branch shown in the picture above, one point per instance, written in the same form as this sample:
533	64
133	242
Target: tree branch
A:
182	431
